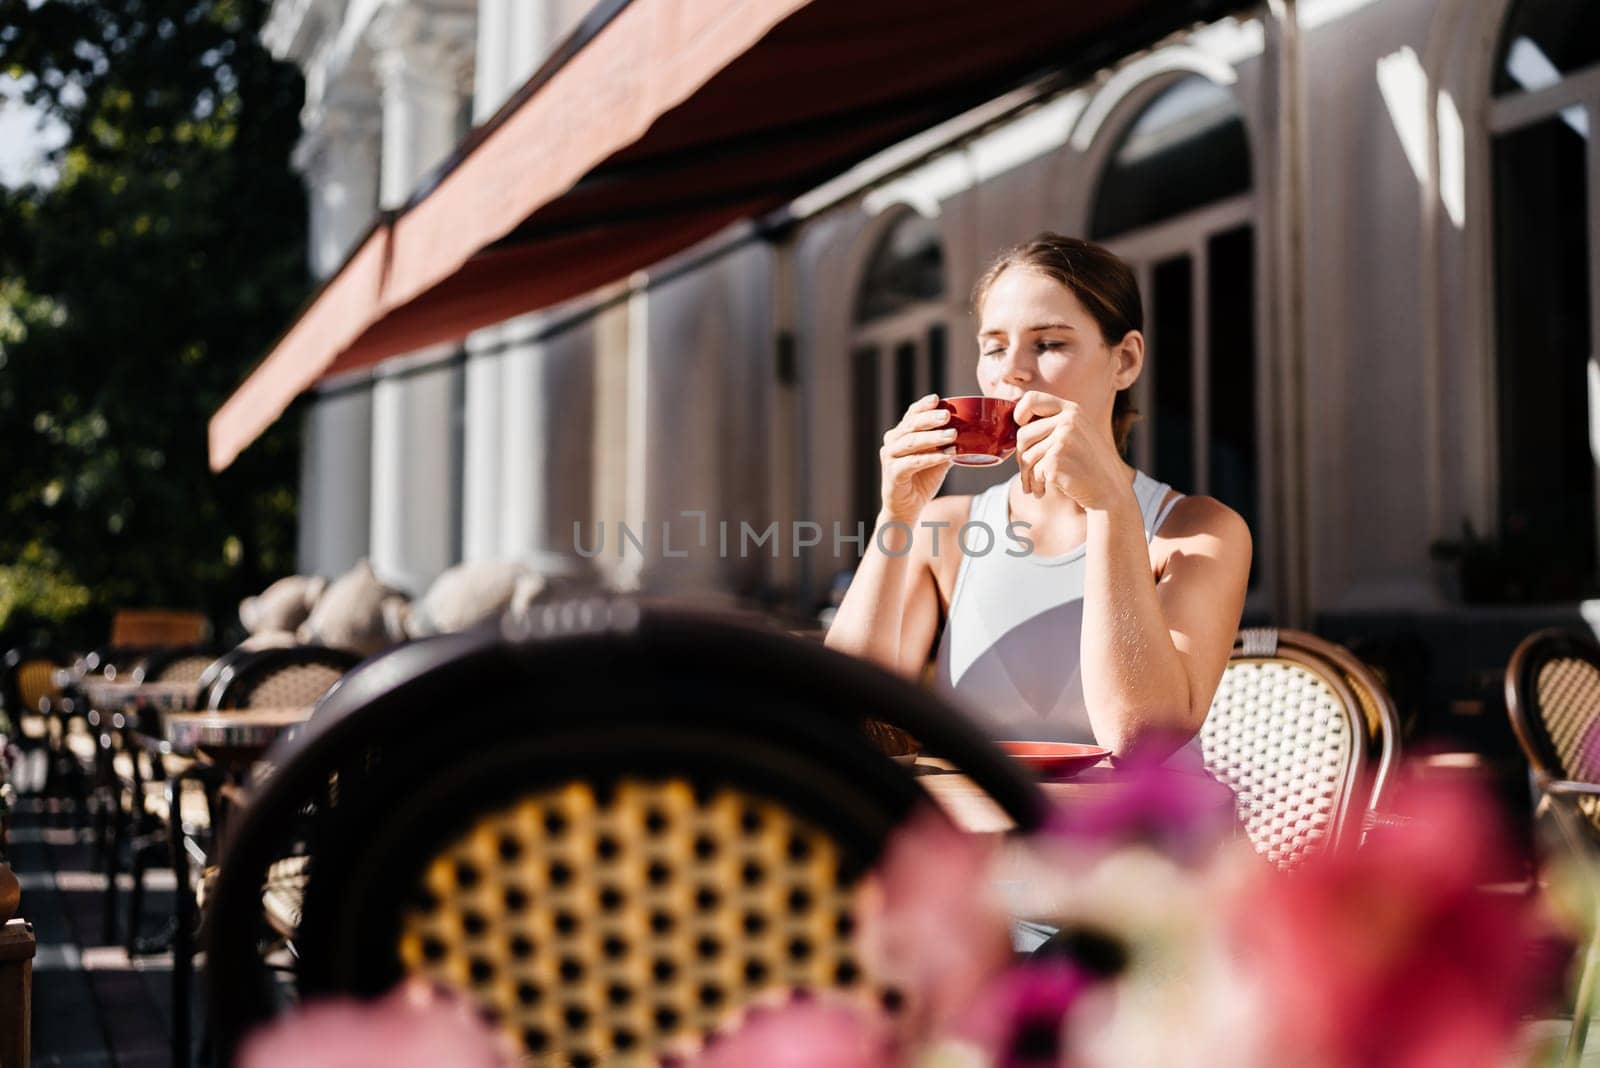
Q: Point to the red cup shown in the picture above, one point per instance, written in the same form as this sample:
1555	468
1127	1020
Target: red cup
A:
986	433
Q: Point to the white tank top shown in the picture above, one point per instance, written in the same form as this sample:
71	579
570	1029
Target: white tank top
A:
1009	652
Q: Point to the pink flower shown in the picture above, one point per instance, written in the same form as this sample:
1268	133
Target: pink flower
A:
931	926
1185	815
815	1033
1388	957
413	1026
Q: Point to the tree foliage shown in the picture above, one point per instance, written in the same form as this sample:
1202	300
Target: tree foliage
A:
137	287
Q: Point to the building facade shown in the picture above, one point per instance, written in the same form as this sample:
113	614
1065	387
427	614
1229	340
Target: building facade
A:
1366	240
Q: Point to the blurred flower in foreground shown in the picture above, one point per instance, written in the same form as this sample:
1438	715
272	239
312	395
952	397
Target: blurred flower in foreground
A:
804	1034
1390	957
1019	1020
932	926
413	1026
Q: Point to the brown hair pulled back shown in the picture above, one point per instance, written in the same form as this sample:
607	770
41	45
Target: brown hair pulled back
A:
1102	283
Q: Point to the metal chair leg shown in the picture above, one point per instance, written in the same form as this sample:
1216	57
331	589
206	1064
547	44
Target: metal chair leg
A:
113	869
183	934
136	899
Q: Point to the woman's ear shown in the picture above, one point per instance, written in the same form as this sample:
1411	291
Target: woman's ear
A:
1129	355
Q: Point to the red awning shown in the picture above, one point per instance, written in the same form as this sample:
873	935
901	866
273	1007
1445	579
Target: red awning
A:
670	121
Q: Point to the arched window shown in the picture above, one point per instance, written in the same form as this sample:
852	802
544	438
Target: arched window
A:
1186	149
1174	201
900	340
1546	88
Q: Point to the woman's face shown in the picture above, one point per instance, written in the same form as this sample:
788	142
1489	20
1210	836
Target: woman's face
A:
1034	334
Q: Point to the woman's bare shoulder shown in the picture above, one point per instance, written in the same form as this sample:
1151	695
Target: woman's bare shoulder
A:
1205	517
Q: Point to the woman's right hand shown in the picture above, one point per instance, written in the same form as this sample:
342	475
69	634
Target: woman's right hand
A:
916	457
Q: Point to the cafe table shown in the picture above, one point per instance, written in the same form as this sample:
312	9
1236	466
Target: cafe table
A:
231	739
112	697
973	810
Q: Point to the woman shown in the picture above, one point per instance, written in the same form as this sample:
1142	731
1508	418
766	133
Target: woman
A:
1116	624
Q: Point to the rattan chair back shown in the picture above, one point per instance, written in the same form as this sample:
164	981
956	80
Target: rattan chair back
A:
611	831
290	677
1306	737
177	665
1553	698
27	679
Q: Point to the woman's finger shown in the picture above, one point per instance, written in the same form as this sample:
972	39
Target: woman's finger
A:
921	441
1032	432
1035	405
908	466
915	419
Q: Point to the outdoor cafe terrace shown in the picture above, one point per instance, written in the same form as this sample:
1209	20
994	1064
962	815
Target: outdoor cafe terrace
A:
736	777
599	829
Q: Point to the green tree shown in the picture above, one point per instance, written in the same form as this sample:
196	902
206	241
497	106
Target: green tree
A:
137	287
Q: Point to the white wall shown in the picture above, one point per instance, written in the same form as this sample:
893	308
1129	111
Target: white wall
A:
706	408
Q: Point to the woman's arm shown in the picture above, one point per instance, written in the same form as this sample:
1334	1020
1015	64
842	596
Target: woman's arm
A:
892	602
899	639
1153	652
1150	656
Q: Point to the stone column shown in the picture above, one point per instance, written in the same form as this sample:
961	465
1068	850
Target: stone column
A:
422	58
526	463
338	156
422	55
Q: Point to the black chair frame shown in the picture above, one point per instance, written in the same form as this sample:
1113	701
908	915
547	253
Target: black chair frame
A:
594	692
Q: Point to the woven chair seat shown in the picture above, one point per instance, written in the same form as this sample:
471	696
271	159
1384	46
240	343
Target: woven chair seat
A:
195	811
1291	729
283	897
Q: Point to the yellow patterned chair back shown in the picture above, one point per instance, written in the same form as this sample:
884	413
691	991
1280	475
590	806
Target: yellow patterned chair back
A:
612	831
1553	698
1305	736
29	680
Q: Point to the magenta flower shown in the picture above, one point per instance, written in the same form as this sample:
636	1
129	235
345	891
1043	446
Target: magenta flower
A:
413	1026
1389	957
1020	1019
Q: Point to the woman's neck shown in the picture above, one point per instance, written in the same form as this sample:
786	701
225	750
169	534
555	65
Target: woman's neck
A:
1056	522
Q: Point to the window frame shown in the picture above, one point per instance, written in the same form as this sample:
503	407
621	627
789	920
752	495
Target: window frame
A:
1188	234
1505	114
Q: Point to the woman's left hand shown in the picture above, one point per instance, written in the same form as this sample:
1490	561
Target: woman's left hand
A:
1059	447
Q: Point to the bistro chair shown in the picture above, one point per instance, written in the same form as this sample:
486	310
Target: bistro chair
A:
1307	739
34	703
176	665
1553	699
183	801
213	671
285	677
611	825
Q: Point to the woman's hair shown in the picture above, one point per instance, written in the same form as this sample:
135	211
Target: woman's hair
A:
1103	283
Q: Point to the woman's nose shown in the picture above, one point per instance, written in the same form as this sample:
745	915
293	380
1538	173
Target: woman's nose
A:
1016	367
